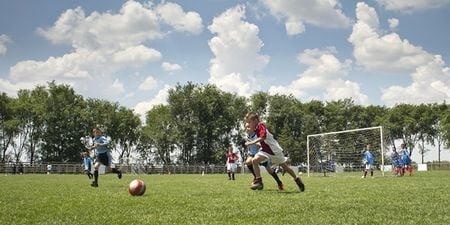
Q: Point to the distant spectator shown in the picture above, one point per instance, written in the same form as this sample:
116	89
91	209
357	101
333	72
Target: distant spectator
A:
20	168
49	168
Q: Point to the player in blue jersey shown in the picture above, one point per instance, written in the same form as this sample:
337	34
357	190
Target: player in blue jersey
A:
100	144
369	161
406	160
87	164
395	162
251	152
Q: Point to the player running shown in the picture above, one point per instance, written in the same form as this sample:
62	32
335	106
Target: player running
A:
270	150
251	152
100	144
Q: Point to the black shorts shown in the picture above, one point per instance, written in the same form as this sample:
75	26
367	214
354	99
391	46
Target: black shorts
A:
104	158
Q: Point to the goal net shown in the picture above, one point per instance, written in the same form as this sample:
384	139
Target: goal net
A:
333	153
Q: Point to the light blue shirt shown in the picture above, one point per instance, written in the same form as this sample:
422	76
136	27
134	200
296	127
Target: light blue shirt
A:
101	140
368	157
254	148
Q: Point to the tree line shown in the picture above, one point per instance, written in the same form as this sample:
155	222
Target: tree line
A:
197	124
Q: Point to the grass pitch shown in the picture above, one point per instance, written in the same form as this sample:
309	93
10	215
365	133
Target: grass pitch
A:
213	199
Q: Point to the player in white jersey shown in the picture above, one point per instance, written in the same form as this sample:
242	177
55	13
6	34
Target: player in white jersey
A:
270	150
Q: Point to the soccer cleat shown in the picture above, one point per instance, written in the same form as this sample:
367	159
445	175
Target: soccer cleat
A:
94	184
280	187
300	184
257	184
363	177
119	175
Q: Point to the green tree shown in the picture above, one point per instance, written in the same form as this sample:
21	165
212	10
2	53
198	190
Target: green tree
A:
63	124
157	134
7	124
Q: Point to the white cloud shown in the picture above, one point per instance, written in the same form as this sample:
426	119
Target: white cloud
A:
4	39
136	55
297	13
325	74
236	48
117	86
174	15
169	67
393	23
104	43
161	98
431	83
409	6
149	83
388	53
11	88
132	25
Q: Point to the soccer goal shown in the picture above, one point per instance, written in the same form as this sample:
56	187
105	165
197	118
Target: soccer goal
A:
334	153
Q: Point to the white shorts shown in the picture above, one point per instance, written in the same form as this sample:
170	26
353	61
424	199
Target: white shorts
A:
276	159
369	167
231	167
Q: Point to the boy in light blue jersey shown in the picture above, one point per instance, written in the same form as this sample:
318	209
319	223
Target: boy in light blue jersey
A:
369	161
251	152
100	144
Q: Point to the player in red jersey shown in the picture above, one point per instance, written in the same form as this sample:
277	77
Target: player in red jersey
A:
231	163
270	150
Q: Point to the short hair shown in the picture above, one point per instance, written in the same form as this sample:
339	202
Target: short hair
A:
97	128
251	116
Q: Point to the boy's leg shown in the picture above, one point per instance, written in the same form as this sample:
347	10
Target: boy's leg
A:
410	170
95	182
258	184
365	172
249	164
297	179
250	167
275	176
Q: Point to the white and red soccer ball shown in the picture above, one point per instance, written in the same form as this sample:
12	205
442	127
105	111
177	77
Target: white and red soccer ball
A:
136	187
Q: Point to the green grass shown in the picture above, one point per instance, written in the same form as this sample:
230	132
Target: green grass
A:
213	199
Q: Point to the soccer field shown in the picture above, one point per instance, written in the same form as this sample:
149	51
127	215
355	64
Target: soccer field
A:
213	199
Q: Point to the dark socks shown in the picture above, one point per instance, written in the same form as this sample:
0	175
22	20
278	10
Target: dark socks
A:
277	179
250	167
96	176
114	170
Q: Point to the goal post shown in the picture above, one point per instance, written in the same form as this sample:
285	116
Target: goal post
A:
332	153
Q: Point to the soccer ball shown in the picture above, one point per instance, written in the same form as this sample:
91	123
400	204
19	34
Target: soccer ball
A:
136	187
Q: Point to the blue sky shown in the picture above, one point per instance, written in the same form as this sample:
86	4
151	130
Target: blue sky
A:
377	52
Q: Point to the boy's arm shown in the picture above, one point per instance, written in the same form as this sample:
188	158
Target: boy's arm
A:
257	140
